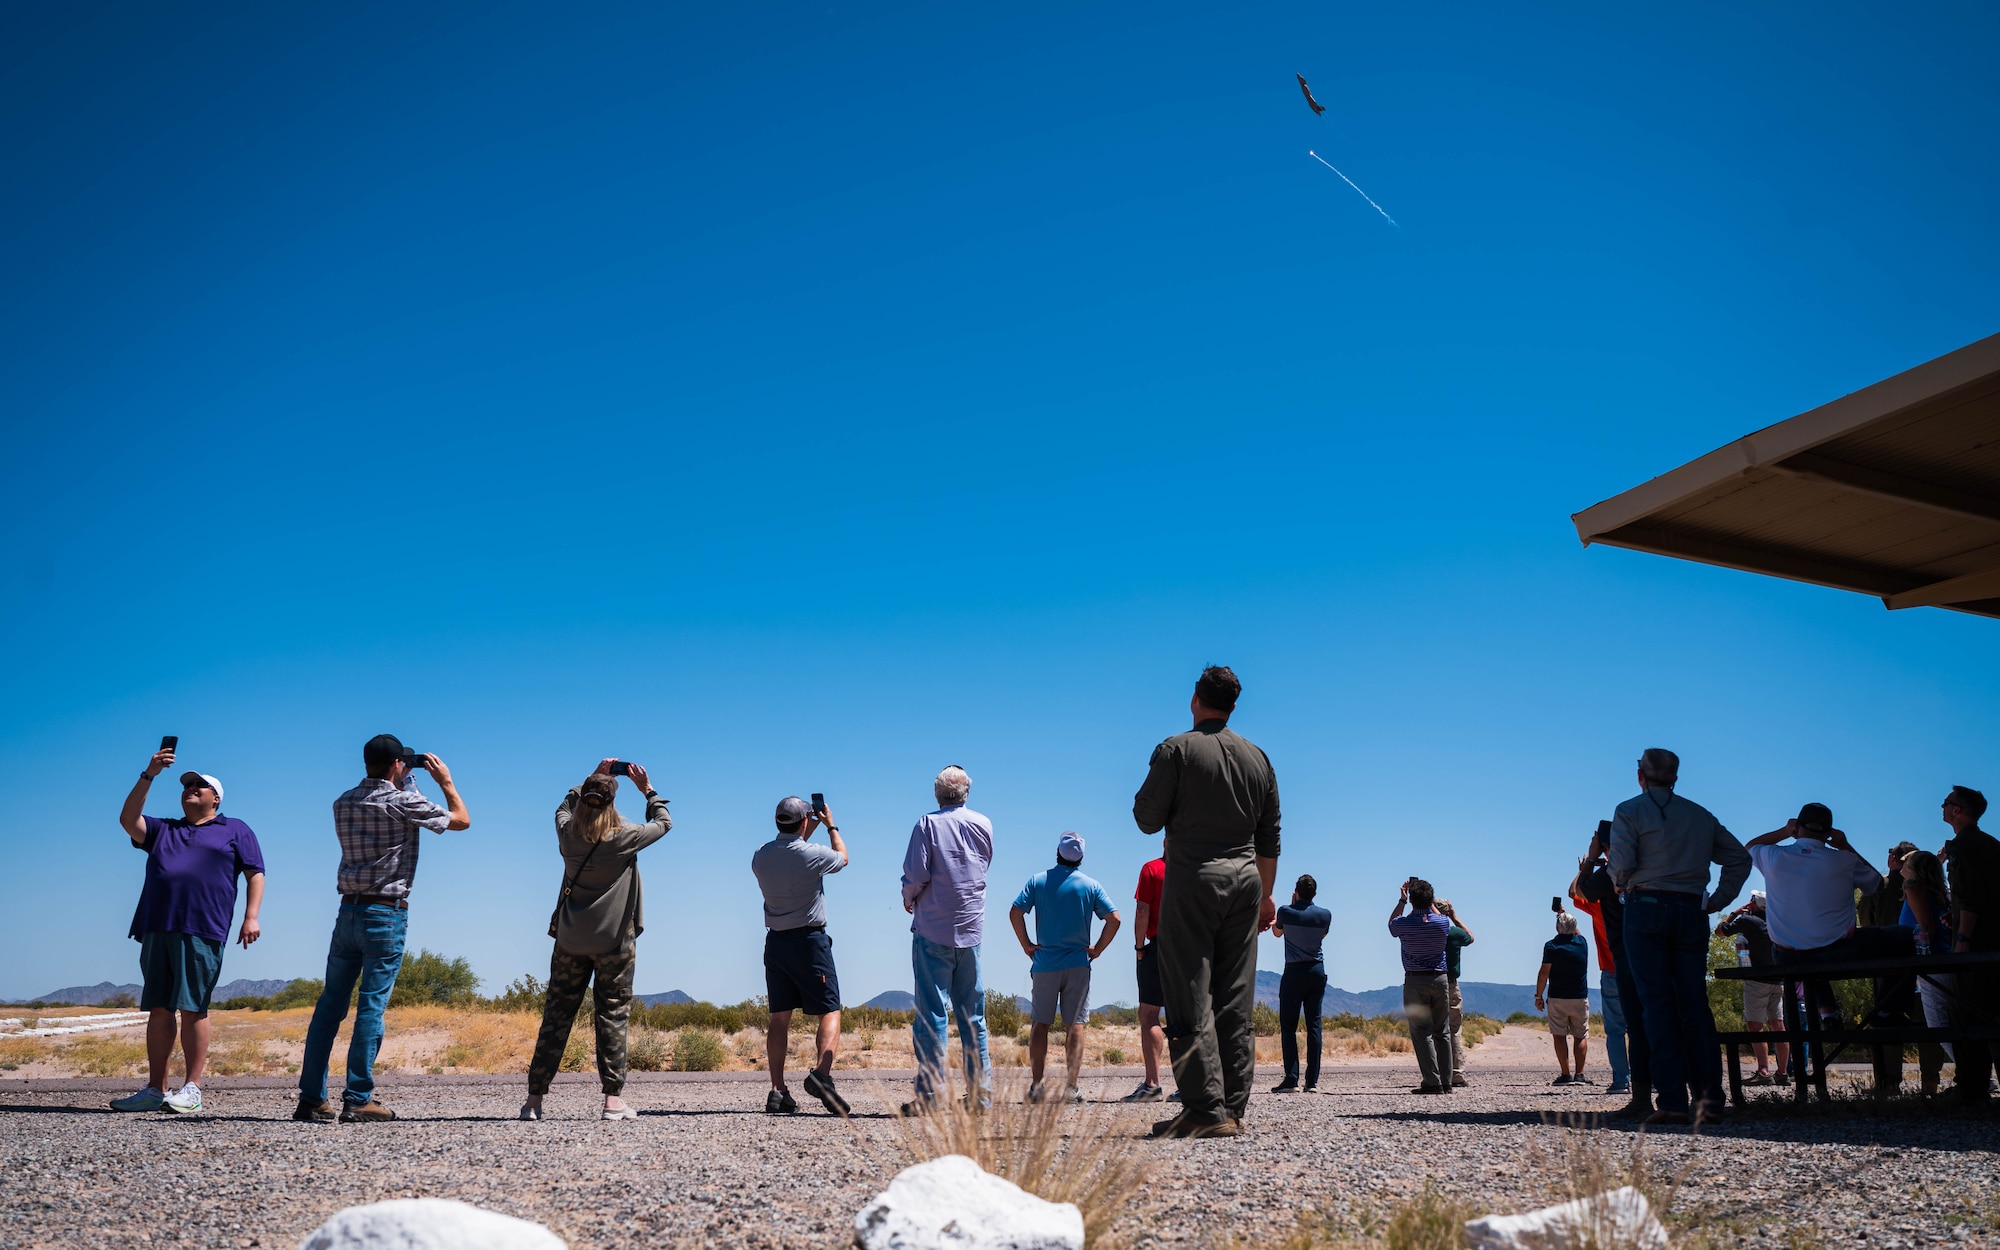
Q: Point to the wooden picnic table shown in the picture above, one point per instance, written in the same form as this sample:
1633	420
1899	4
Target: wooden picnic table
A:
1810	1040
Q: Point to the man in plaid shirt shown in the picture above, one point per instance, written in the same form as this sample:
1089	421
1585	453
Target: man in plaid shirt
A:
378	823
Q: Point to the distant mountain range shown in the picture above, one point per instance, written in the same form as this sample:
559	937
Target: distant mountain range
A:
1484	998
656	1000
94	995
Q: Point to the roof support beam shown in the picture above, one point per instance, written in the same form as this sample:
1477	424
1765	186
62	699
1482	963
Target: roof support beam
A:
1971	588
1668	541
1814	466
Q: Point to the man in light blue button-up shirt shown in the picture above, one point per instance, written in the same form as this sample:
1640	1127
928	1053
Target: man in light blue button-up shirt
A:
944	890
1661	847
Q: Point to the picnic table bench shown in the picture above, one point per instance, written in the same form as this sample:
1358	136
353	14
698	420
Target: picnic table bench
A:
1814	1046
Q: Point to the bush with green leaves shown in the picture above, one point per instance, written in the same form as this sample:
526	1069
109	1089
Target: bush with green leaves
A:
524	993
1263	1021
865	1017
1003	1015
428	978
698	1050
667	1017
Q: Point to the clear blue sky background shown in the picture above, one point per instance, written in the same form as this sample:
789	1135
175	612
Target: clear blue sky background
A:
805	399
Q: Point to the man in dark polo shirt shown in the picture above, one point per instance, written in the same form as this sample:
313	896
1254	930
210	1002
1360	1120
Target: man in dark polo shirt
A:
378	824
1972	868
182	922
1216	796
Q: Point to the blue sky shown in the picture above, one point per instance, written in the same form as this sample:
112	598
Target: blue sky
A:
803	399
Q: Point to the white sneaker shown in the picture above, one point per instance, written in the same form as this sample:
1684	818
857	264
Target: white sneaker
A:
147	1099
620	1113
529	1111
185	1099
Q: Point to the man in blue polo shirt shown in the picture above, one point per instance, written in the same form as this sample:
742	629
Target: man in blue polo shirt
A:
1063	900
182	922
1303	926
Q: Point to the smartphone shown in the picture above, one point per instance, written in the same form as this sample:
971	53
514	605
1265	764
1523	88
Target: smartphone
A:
413	759
819	806
619	768
169	742
1556	904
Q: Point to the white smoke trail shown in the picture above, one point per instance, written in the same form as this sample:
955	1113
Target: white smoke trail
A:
1357	190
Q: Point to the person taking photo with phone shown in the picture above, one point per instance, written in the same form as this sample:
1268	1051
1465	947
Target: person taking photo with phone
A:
378	823
798	955
599	915
182	921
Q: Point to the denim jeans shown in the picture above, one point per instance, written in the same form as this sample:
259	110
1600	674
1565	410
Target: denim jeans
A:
367	949
947	979
1303	986
1631	1009
1614	1028
1666	944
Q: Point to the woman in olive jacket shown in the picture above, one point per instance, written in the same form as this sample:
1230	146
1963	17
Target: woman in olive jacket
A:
598	914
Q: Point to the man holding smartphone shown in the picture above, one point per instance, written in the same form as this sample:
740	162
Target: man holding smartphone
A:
798	954
378	823
182	921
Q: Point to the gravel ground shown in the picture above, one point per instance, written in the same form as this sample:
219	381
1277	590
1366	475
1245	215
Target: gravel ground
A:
703	1166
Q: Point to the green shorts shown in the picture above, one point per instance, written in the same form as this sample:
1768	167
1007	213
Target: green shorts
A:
179	970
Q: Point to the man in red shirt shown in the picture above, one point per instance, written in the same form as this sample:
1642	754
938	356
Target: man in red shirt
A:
1152	1038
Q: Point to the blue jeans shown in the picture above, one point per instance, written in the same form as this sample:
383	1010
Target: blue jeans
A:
1666	944
367	948
948	979
1302	987
1614	1028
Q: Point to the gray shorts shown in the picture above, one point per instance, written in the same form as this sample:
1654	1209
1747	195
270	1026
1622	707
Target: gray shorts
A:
1069	987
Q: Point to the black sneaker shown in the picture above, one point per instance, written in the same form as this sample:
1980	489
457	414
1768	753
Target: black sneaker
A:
1287	1086
780	1102
917	1107
821	1087
1564	1079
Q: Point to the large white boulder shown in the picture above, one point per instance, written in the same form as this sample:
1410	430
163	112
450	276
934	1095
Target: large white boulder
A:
428	1224
1620	1218
952	1203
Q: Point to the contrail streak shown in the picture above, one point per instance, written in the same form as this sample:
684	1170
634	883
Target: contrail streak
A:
1357	190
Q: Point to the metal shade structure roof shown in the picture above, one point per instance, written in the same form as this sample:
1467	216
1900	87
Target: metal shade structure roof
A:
1891	491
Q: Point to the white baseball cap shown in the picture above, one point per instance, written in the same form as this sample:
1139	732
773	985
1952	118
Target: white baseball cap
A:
188	779
1069	848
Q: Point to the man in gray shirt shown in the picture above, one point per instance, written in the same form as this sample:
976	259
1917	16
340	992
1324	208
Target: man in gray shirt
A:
1216	796
1661	847
798	955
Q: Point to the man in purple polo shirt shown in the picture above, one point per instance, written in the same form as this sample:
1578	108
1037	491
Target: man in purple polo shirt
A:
182	923
1426	986
944	890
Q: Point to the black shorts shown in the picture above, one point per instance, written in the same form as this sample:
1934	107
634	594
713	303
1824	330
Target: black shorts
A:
798	971
1149	976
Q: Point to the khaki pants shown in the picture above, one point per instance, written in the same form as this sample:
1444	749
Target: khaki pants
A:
1208	975
1456	1019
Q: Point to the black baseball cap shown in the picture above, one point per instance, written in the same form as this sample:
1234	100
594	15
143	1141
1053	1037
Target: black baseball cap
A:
1816	817
381	750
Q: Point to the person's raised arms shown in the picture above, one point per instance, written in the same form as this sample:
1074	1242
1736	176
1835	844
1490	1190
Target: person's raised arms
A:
132	817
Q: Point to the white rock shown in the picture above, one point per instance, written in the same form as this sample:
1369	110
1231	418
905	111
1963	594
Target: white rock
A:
428	1224
952	1203
1618	1220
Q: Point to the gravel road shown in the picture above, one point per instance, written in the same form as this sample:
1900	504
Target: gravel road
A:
703	1165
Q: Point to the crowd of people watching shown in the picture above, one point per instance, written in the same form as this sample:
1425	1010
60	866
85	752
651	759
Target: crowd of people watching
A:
1644	881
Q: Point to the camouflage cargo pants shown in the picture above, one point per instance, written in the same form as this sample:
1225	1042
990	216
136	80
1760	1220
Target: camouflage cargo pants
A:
611	998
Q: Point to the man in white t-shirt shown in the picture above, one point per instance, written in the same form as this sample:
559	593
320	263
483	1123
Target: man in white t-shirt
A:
1810	883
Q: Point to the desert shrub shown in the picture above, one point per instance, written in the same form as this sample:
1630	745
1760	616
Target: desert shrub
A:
1123	1016
1263	1021
244	1002
1523	1017
582	1041
669	1017
242	1058
1113	1055
120	999
647	1051
876	1018
105	1056
1003	1014
756	1012
525	993
303	992
1477	1029
1429	1221
431	978
16	1051
697	1050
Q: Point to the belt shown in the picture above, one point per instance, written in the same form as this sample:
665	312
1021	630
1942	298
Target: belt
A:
804	928
398	901
1667	894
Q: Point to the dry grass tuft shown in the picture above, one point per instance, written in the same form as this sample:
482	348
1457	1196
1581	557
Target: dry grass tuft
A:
1057	1151
1431	1220
481	1041
1584	1165
105	1056
15	1051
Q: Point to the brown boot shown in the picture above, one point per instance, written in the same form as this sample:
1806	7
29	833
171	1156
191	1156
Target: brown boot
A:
321	1112
370	1112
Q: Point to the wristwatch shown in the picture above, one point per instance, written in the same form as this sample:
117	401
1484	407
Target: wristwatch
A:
652	794
834	828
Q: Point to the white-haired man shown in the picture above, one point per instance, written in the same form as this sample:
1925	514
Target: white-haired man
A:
1562	988
944	890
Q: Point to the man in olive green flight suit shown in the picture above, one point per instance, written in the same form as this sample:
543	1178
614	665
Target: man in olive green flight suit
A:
1217	797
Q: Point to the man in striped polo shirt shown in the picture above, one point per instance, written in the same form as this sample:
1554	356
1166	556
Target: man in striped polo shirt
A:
1426	989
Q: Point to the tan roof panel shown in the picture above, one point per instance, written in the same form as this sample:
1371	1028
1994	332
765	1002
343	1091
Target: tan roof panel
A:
1891	491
